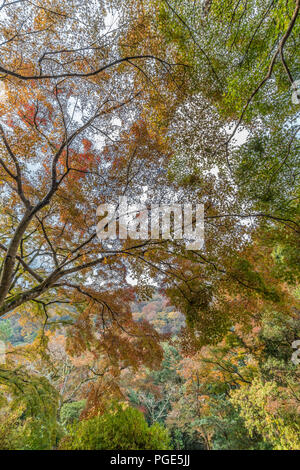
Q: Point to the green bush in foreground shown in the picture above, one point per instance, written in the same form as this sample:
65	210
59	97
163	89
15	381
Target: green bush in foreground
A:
70	412
119	428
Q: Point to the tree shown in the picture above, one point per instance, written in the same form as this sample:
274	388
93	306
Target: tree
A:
102	100
28	418
243	393
260	407
152	391
60	147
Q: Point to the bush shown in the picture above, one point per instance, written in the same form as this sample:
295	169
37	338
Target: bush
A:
119	428
70	412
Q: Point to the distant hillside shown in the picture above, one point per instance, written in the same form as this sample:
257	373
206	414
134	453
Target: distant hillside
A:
160	314
164	318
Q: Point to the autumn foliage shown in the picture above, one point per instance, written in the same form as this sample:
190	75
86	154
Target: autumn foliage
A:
165	102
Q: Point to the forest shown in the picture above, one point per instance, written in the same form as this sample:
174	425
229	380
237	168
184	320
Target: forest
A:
144	342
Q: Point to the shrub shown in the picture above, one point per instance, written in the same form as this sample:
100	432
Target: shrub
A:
120	428
70	412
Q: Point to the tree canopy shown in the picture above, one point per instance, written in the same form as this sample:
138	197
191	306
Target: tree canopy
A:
167	102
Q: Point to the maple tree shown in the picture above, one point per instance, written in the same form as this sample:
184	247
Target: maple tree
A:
62	154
